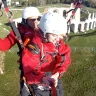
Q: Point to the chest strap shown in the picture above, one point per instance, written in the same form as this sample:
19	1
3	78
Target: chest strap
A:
34	48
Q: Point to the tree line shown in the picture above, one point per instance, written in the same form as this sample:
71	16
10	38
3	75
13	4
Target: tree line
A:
88	3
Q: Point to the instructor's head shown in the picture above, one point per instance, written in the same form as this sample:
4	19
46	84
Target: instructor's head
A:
31	16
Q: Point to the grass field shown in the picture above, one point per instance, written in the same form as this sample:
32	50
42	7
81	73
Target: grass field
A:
80	78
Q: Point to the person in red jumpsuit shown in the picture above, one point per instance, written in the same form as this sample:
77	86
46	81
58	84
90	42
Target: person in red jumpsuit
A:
27	28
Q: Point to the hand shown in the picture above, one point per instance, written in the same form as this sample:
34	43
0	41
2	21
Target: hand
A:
55	77
50	80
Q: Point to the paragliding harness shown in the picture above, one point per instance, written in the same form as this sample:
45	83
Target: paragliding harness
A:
77	5
22	45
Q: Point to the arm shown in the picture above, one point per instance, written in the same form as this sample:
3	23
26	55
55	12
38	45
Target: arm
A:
7	42
63	59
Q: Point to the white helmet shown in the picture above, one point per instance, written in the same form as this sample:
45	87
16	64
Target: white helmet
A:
29	12
53	23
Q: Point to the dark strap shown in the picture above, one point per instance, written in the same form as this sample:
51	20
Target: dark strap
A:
18	36
29	86
63	59
6	8
15	30
34	48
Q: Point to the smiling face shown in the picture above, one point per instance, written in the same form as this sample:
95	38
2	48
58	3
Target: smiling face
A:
53	38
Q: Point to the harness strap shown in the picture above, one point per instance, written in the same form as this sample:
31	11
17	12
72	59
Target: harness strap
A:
15	30
34	48
18	36
54	91
29	86
63	59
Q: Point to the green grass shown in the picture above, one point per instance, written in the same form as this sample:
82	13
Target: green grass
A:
80	78
9	82
80	39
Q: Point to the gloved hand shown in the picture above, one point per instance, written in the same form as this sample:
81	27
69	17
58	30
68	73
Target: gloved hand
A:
50	80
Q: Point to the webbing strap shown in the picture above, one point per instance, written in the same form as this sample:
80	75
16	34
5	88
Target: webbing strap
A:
29	86
18	36
54	91
34	48
15	30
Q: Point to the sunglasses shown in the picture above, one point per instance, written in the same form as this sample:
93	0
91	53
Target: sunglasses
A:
38	19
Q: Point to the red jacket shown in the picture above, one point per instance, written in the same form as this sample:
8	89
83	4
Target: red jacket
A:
51	59
10	40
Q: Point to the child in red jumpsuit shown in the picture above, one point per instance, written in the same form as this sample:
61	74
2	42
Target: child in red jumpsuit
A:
47	57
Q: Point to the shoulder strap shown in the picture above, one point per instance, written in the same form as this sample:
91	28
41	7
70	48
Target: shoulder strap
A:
34	48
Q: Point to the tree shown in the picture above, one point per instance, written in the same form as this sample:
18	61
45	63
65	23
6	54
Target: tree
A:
42	2
48	1
93	3
90	3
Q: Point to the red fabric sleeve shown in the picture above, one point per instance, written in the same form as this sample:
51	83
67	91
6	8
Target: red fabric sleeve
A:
7	42
61	67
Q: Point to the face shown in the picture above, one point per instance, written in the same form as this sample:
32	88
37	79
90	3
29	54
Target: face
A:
53	38
33	21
